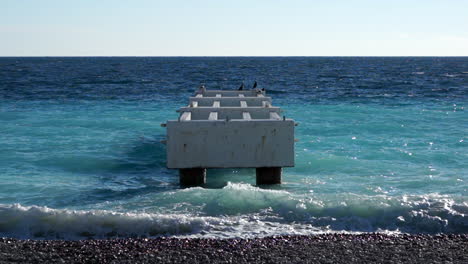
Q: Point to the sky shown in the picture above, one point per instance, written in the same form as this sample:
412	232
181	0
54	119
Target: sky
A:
233	28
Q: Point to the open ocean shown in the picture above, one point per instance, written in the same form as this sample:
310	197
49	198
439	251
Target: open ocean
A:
383	147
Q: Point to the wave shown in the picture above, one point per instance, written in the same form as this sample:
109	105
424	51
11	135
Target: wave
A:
431	213
43	222
242	210
34	222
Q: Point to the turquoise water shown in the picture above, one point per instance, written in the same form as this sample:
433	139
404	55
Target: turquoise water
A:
382	148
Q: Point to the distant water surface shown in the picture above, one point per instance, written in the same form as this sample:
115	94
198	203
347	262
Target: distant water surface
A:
383	147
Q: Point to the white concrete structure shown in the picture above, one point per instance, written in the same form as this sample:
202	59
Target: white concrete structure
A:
230	129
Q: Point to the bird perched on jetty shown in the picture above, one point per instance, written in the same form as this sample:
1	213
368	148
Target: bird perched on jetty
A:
202	88
255	85
241	87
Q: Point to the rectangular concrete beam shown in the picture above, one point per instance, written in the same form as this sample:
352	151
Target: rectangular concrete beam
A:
202	113
236	144
234	93
231	101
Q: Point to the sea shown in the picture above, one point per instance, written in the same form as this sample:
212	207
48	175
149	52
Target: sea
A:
382	147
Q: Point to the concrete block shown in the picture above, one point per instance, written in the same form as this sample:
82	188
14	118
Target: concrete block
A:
230	144
230	129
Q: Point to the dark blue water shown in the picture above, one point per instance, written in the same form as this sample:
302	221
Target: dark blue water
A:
382	147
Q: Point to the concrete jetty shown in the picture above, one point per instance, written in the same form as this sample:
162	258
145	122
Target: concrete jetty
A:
230	129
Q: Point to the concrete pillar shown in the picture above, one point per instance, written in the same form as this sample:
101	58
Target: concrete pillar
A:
192	176
269	175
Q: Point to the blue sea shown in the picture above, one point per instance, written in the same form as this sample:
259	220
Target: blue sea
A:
383	147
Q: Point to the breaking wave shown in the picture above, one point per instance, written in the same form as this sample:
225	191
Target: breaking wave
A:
242	210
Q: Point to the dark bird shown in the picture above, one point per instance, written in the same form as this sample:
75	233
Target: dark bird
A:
255	85
241	87
263	89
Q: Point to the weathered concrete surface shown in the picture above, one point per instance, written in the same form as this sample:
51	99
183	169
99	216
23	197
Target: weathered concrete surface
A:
230	144
202	113
230	101
232	93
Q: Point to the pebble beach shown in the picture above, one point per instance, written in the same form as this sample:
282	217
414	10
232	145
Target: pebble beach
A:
326	248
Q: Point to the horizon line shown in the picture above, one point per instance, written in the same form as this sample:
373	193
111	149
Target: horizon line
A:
224	56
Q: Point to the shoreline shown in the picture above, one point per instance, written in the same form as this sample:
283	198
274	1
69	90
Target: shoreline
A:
323	248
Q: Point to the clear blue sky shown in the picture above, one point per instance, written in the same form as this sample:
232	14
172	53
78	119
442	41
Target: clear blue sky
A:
233	28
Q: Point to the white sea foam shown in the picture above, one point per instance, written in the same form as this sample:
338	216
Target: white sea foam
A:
42	222
242	210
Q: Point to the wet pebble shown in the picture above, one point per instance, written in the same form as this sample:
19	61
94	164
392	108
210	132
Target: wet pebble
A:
327	248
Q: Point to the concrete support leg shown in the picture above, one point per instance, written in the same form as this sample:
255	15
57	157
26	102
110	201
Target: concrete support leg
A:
269	175
192	176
